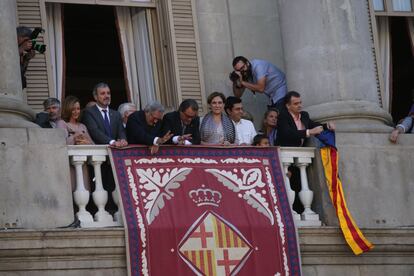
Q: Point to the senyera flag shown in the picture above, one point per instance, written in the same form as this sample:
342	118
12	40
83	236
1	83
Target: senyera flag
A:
353	235
206	211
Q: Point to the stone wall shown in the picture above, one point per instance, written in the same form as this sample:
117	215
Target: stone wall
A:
230	28
36	191
377	180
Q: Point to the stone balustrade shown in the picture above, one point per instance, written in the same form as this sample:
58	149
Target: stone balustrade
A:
300	157
95	155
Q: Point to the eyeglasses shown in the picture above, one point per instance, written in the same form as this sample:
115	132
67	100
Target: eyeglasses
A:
154	119
188	116
157	118
241	68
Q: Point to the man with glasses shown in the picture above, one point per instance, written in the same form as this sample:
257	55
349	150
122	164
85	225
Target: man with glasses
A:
259	76
144	127
184	124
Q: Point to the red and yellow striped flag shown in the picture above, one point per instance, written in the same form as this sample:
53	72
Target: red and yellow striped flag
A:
352	234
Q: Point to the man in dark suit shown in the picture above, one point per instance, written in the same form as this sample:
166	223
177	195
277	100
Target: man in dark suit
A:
184	124
294	125
105	127
104	124
51	114
144	127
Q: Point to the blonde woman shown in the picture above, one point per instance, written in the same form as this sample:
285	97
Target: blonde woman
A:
76	133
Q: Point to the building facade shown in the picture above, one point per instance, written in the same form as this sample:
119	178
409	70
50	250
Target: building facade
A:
349	59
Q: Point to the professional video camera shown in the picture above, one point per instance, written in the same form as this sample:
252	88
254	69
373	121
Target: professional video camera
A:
41	48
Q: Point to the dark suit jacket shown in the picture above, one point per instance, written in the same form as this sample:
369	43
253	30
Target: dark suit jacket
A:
94	121
288	134
139	132
172	122
42	119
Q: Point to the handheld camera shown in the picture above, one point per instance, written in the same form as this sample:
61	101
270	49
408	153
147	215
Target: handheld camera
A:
41	48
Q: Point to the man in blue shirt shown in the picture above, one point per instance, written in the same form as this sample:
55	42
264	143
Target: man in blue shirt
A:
259	76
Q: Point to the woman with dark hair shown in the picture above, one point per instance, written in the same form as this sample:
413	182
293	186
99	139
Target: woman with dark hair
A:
216	128
76	132
269	128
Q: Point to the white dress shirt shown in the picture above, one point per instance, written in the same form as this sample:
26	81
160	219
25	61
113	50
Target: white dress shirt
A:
245	132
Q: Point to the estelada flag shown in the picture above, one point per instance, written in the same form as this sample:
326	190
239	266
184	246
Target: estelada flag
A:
350	230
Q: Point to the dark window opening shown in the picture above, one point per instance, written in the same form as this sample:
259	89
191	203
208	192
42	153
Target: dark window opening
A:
92	52
402	68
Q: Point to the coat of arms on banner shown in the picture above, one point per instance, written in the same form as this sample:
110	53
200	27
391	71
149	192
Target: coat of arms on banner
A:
206	211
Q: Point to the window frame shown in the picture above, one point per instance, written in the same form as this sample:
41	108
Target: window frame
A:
386	98
155	40
388	11
130	3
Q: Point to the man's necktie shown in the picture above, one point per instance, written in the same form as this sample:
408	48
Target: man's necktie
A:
106	123
184	128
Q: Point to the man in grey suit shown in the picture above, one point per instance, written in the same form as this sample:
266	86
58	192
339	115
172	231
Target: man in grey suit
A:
104	124
105	127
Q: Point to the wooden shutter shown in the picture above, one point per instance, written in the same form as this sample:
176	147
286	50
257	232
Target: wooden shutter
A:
187	75
186	51
28	13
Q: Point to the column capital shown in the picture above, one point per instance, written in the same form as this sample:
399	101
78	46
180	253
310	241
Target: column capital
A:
352	116
328	50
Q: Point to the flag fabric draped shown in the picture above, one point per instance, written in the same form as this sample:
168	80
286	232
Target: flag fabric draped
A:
353	235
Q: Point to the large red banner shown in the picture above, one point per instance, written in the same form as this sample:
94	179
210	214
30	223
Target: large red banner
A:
206	211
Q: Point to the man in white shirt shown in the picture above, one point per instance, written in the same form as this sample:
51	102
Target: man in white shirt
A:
245	130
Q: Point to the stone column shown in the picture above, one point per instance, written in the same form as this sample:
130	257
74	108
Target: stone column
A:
34	165
13	111
329	59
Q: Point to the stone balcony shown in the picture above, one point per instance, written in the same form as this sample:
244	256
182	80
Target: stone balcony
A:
98	248
95	155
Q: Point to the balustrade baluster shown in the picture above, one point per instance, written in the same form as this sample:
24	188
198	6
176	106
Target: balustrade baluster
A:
287	161
100	196
117	215
81	195
306	195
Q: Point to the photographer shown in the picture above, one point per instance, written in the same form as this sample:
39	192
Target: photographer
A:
26	39
26	51
259	76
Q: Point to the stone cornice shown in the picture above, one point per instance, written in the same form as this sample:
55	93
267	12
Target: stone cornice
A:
23	250
62	249
326	245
